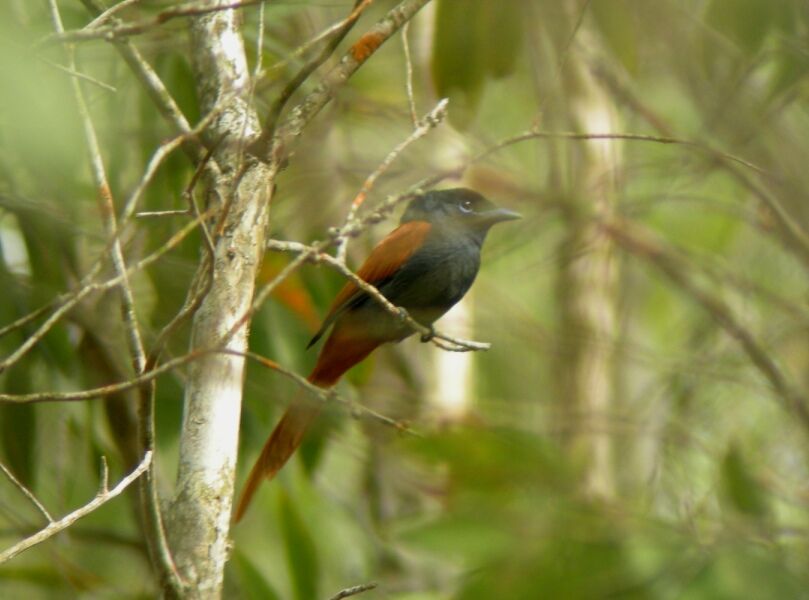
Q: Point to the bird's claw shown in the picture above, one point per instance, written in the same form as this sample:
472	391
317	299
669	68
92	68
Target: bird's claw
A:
426	337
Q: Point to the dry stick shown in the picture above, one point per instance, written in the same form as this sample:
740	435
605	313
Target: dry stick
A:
122	276
798	240
353	591
106	390
110	12
411	99
163	152
297	119
428	333
103	496
324	395
109	34
156	90
262	145
107	208
423	127
303	48
168	366
636	137
181	212
633	239
27	493
66	302
80	75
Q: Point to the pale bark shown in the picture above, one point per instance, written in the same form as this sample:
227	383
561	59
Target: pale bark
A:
200	512
588	289
451	391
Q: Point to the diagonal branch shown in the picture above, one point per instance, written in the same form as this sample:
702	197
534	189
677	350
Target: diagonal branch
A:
104	495
640	243
273	144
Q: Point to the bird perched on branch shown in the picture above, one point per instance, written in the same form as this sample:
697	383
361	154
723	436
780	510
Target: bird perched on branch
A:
425	266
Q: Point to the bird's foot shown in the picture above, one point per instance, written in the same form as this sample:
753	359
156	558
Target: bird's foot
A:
426	337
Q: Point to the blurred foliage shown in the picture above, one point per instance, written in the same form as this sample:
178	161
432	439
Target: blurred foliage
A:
709	468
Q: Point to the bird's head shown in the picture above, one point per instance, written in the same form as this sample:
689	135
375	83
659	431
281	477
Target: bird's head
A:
458	208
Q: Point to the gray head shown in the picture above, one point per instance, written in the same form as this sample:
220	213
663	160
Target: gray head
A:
458	208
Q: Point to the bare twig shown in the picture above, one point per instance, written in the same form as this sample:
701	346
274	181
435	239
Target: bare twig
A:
353	591
188	9
303	48
182	212
105	390
163	151
67	302
110	12
411	98
80	75
423	127
26	492
635	137
106	206
305	71
641	243
103	496
323	394
154	87
362	50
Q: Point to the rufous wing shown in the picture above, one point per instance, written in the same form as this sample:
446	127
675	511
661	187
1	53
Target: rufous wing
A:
385	259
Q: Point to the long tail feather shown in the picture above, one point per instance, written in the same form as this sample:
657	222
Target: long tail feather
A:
285	439
340	352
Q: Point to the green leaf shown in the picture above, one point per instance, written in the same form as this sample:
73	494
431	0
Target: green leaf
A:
253	583
18	428
616	23
458	62
503	30
739	488
301	552
475	540
746	22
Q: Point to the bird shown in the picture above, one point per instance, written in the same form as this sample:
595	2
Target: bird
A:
425	266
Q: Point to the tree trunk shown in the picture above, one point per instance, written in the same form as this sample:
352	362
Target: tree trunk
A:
587	286
200	512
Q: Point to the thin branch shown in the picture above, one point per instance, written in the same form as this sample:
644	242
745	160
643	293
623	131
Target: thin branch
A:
164	150
102	497
323	394
109	34
80	75
183	212
154	86
67	302
297	119
110	12
428	333
305	71
353	591
303	48
26	492
423	127
636	137
796	240
105	390
106	206
641	243
411	99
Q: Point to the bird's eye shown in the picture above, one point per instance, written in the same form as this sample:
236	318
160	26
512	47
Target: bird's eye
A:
466	206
